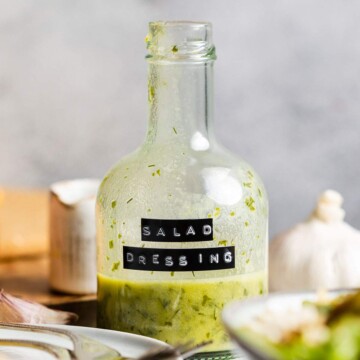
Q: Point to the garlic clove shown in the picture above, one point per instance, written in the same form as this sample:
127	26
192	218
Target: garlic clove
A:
331	197
16	310
328	208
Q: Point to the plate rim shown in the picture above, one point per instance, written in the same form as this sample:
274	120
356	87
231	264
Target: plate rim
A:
128	344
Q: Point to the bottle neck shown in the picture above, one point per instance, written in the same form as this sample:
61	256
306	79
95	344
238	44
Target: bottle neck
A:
180	96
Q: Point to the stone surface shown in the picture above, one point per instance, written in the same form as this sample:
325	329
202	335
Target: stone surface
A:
73	91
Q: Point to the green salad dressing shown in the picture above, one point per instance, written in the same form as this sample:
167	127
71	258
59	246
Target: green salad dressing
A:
189	310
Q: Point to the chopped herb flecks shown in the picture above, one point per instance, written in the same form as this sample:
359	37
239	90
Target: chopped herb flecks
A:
129	200
222	242
205	300
247	184
113	203
249	202
115	266
119	236
261	288
151	94
111	244
158	171
232	213
174	49
151	165
175	130
217	212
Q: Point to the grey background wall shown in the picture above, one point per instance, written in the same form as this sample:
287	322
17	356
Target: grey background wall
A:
73	91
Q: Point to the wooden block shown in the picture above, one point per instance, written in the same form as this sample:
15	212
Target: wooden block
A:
23	223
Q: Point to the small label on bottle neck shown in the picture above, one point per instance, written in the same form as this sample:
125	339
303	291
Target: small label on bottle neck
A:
200	259
159	230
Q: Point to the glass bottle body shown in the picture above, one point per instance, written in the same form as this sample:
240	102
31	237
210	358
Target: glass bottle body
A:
172	284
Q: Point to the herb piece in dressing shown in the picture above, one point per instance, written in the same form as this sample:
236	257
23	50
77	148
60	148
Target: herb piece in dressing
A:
249	202
115	266
217	212
151	93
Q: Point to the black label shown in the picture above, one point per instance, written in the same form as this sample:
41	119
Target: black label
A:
179	259
176	230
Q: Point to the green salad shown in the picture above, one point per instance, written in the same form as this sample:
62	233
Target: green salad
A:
326	329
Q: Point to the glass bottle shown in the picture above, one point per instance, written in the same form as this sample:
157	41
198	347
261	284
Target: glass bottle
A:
182	223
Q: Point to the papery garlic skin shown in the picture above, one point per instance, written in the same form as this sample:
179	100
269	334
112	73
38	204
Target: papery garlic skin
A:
15	310
322	252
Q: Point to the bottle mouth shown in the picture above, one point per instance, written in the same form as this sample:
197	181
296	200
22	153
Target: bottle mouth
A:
179	41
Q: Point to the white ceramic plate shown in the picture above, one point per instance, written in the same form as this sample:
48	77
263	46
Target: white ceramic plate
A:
127	344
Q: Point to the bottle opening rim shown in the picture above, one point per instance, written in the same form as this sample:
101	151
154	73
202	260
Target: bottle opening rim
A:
180	40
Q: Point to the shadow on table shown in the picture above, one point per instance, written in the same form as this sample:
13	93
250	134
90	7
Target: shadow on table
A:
86	310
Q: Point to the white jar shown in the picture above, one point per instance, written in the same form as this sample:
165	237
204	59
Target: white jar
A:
72	236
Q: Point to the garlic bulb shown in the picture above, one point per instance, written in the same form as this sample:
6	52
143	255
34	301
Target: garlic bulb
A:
15	310
322	252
